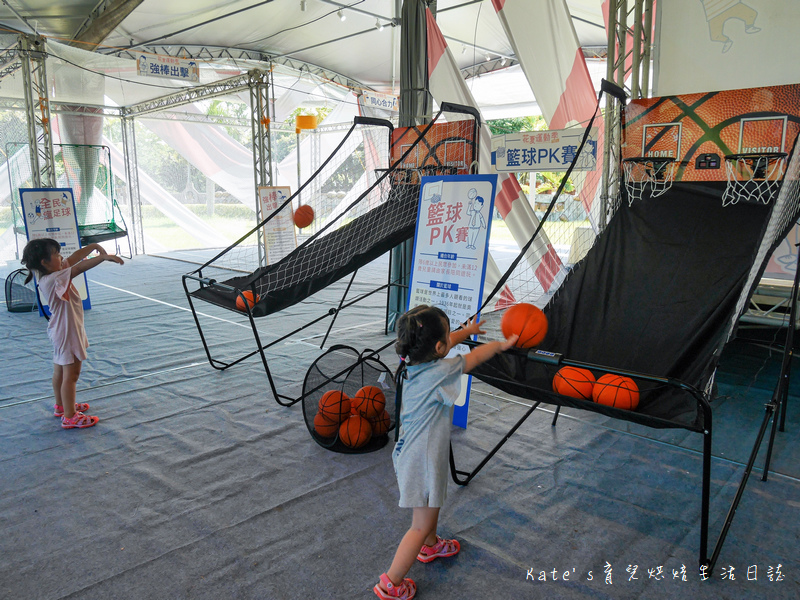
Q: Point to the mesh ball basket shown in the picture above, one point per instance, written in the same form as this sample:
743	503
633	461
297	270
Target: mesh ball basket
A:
339	424
20	297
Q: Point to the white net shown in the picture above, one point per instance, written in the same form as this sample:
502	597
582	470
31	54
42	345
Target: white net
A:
753	177
14	166
564	227
783	216
652	176
377	212
329	191
196	173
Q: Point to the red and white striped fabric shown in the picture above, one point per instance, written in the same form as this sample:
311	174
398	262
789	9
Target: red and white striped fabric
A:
548	50
446	84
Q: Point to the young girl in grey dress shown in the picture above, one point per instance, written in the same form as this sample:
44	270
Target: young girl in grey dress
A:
432	385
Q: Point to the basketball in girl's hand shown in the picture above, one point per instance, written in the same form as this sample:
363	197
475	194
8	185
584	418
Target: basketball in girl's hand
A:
303	216
324	426
368	402
249	297
335	405
574	382
381	423
617	391
526	321
355	431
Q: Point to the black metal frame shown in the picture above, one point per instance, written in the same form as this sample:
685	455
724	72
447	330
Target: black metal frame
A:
222	365
197	275
777	406
558	360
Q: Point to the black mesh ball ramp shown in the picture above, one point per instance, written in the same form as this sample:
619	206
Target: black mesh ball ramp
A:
377	214
349	400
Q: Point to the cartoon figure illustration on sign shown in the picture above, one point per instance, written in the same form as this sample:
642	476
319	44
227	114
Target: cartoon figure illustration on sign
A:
34	213
719	12
476	219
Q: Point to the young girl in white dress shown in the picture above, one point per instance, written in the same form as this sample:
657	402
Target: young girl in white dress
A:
65	329
432	385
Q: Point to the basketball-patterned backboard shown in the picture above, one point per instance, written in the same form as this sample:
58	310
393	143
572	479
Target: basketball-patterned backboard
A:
760	135
662	140
701	129
448	148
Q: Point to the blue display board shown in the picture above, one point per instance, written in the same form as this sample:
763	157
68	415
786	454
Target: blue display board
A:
451	247
50	213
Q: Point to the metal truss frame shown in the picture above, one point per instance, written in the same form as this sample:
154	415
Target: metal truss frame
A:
211	53
629	68
33	56
259	83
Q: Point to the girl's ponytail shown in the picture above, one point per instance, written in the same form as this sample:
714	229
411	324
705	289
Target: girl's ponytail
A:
418	332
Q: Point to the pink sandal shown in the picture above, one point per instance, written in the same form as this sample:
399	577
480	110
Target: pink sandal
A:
58	410
404	591
79	421
440	549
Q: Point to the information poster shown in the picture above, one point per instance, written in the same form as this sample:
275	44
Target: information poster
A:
544	150
451	246
50	213
279	234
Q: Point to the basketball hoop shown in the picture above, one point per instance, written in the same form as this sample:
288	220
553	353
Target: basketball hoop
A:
653	173
753	177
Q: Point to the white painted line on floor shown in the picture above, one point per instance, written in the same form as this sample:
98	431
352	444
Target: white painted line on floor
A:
319	335
94	387
168	304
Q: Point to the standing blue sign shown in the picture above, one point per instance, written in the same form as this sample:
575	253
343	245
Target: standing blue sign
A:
451	247
50	213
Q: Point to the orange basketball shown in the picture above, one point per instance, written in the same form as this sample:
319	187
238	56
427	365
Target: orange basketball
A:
526	321
249	297
335	405
368	402
616	391
303	216
355	431
381	423
324	426
574	382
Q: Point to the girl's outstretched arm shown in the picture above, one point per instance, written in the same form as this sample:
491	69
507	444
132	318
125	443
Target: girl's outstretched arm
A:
82	253
90	263
473	327
486	351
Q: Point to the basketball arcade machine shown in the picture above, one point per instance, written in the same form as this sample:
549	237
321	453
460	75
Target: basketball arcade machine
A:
379	213
724	159
751	147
